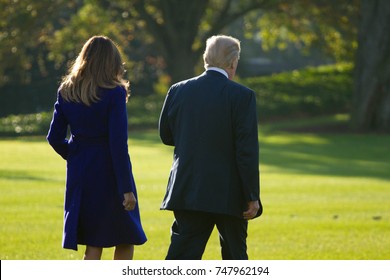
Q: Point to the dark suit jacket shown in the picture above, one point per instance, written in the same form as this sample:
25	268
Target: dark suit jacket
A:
212	123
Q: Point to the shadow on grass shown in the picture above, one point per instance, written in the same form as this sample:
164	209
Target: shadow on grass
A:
144	138
15	175
339	154
326	154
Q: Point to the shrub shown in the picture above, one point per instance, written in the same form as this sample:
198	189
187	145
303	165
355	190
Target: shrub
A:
308	92
312	91
29	124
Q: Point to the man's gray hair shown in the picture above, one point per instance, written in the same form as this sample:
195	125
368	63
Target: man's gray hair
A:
221	51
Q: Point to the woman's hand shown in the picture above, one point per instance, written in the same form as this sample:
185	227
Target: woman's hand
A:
129	201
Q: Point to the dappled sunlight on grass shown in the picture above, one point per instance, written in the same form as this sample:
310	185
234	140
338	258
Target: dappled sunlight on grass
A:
327	154
325	196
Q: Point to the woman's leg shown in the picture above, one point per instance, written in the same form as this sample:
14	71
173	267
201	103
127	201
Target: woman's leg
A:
93	253
124	252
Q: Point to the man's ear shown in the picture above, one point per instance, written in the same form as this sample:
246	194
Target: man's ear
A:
234	63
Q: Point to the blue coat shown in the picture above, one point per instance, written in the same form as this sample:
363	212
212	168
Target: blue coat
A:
98	171
212	123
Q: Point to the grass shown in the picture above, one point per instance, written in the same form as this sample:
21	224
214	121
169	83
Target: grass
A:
326	196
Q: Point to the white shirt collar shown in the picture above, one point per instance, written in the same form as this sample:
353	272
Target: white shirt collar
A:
220	70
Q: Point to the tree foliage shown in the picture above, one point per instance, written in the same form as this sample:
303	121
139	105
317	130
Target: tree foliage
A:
181	28
329	25
24	29
164	40
165	37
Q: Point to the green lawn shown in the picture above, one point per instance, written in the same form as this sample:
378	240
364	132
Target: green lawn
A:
326	196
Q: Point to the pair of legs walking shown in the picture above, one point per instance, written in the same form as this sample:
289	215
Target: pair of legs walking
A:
191	231
122	252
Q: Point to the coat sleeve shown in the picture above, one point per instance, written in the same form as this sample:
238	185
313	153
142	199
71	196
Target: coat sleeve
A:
247	146
58	130
165	131
118	138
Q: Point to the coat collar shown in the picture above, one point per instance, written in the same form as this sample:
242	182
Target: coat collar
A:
219	70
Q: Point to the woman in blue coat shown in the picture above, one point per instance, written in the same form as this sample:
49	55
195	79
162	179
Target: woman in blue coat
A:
101	208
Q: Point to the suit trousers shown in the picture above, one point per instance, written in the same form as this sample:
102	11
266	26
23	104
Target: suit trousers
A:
191	230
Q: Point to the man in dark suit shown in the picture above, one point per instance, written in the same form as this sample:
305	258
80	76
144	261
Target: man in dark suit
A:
214	181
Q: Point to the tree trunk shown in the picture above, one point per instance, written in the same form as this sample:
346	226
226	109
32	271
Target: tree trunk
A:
175	33
180	64
371	104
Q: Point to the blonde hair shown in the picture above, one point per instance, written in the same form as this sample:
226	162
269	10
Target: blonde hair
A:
99	64
221	51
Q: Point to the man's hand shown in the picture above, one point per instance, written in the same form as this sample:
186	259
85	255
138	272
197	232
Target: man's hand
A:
253	207
129	201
